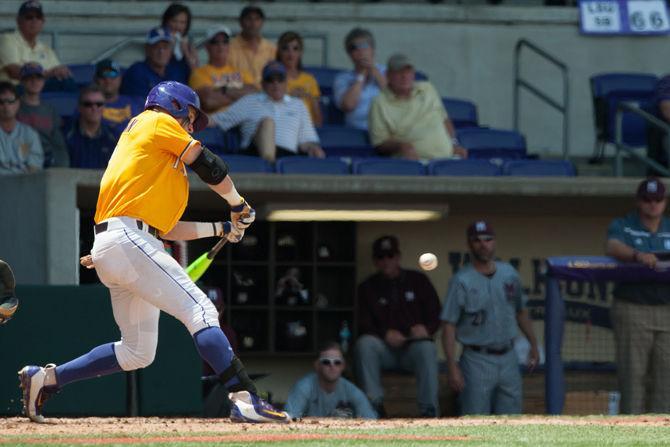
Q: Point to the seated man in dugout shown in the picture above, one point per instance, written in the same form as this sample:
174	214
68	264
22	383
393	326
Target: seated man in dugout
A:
273	124
408	120
218	83
325	393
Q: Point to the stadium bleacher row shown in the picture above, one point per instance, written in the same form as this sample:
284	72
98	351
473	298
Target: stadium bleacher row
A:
491	151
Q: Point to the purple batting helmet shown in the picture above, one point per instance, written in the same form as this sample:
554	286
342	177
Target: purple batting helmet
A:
175	98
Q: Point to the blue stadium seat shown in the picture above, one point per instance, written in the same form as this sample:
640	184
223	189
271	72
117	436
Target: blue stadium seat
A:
341	141
82	73
247	163
462	113
332	116
325	77
213	138
539	168
492	143
469	167
607	90
308	165
65	103
388	166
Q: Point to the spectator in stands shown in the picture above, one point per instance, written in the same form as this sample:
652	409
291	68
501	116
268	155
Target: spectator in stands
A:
23	46
42	117
354	90
300	83
177	20
118	109
249	50
218	83
658	145
273	124
640	312
408	119
398	313
142	76
325	393
484	305
20	147
90	140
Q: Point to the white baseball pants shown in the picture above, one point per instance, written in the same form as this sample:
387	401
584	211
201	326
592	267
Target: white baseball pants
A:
144	279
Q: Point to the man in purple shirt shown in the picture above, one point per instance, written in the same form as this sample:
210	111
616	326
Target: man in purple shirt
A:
398	316
142	76
118	108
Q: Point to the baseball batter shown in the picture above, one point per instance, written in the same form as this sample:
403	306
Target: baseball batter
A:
143	193
484	305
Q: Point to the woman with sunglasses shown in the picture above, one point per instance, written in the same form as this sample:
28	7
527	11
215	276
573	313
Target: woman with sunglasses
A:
299	83
325	393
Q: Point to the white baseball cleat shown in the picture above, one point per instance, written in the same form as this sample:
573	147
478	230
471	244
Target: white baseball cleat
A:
34	393
248	407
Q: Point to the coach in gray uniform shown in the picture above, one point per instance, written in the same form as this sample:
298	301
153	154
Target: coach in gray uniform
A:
484	305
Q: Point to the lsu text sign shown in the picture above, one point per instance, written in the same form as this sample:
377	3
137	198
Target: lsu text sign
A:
631	17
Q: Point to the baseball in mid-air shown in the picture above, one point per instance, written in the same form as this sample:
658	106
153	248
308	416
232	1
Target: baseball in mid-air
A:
428	261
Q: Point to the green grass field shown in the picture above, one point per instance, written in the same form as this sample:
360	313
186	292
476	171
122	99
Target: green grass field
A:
513	431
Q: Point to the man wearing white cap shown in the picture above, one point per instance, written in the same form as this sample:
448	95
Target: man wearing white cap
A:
218	83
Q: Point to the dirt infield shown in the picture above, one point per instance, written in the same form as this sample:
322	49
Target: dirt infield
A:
156	430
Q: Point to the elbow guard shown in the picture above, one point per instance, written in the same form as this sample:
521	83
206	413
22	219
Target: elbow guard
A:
210	167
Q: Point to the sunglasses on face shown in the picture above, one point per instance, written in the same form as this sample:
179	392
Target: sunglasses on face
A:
219	42
330	362
482	239
32	17
92	103
291	47
5	101
275	79
358	46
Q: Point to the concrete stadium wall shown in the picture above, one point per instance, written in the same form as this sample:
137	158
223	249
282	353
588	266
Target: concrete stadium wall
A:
466	50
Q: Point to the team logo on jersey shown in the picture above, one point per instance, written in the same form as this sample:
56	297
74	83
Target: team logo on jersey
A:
409	295
477	318
511	291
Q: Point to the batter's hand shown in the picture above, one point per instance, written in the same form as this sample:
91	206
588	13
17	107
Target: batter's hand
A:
242	215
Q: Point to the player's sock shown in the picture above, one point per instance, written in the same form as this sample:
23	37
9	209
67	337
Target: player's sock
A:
100	361
214	348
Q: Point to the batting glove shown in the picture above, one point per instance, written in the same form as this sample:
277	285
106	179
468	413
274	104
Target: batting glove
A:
232	233
242	215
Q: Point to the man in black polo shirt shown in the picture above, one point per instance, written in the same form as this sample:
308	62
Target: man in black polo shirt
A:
641	310
398	316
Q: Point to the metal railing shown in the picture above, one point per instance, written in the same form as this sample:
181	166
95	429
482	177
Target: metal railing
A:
630	150
519	83
139	39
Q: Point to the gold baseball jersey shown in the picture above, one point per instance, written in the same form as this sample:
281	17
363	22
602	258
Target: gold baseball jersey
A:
145	177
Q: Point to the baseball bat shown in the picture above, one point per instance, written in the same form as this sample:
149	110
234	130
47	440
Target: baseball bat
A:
198	267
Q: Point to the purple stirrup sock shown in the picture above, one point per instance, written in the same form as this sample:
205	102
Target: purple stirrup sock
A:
100	361
214	348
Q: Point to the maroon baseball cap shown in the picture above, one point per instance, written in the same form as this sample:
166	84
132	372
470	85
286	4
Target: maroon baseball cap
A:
651	188
480	228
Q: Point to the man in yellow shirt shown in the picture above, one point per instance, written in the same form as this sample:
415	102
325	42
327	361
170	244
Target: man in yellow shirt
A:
22	46
218	83
143	194
408	120
249	51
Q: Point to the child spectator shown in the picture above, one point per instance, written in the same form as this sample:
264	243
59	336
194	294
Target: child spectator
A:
118	109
